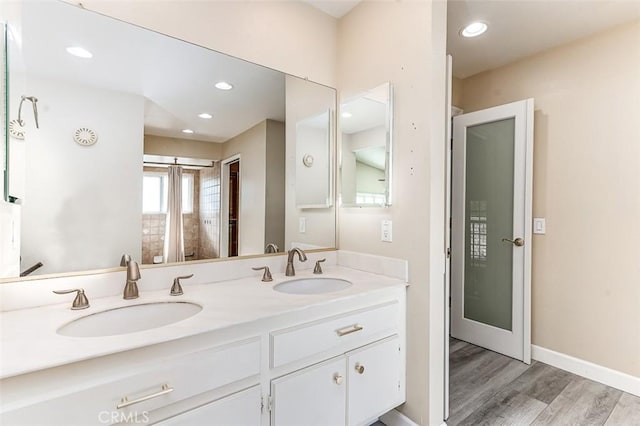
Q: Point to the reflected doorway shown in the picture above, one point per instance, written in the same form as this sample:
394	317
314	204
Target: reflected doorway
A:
234	204
231	207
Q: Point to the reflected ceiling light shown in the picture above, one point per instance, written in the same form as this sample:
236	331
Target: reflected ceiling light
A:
346	115
474	29
223	85
189	131
205	115
79	52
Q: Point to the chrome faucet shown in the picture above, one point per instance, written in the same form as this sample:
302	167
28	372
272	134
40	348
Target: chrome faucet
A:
290	272
133	275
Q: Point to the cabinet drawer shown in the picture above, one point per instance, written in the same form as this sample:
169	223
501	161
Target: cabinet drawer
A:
240	409
163	382
345	331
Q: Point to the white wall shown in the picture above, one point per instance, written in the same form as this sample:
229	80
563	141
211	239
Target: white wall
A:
288	36
251	146
10	241
368	179
356	176
161	145
74	214
313	183
303	100
404	43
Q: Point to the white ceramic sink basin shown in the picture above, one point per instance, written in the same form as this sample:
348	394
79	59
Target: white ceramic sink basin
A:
312	286
129	319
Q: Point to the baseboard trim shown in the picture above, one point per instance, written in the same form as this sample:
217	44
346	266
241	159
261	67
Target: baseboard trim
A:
396	418
615	379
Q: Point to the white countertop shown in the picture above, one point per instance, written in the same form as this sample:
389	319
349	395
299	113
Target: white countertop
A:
30	342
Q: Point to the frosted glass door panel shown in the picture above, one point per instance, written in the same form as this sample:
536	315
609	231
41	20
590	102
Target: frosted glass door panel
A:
488	262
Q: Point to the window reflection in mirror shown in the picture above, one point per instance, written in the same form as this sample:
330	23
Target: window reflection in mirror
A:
365	124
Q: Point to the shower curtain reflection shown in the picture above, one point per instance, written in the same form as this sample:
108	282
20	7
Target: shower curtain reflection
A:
174	233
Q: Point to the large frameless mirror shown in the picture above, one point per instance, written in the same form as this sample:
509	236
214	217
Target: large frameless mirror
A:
366	158
107	108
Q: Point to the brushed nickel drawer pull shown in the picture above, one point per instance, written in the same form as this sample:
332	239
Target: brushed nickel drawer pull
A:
125	402
349	330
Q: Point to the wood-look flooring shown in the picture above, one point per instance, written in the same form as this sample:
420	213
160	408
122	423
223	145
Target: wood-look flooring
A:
487	388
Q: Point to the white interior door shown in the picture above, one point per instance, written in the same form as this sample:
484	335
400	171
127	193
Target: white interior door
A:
491	232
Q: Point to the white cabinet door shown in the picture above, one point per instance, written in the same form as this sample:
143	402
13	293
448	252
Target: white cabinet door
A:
240	409
374	381
314	396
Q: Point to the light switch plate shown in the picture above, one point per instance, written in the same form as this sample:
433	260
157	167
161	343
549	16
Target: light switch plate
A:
302	225
386	231
539	225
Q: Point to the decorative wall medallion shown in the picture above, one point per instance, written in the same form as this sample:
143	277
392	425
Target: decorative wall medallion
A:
16	129
85	137
307	160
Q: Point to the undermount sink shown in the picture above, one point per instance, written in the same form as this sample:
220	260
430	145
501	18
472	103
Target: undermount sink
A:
129	319
312	286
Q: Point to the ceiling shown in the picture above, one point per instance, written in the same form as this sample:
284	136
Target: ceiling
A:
521	28
335	8
175	78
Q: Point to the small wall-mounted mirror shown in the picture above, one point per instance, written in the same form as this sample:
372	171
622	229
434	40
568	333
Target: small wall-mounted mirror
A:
365	167
313	161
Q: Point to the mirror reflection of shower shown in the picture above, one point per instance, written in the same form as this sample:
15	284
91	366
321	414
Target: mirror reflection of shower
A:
16	127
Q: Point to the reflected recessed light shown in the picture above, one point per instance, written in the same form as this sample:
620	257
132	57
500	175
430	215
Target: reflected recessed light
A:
474	29
346	115
205	115
79	52
187	131
223	85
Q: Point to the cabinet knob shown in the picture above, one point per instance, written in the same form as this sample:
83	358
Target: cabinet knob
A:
360	368
338	379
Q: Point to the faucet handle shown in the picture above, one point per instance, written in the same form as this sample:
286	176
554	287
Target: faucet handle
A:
176	288
125	259
318	269
80	302
266	277
133	271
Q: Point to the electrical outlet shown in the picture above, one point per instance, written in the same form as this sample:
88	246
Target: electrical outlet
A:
386	231
302	225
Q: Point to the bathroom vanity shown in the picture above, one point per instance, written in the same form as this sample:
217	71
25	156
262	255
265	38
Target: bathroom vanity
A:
251	356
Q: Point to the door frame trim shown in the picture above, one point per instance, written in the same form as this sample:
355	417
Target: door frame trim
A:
223	239
528	229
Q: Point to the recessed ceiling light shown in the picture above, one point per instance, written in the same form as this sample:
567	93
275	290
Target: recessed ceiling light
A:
79	52
346	115
223	85
189	131
205	115
474	29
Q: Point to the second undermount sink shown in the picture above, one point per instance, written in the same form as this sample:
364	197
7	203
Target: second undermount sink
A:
312	285
129	319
